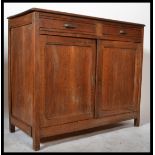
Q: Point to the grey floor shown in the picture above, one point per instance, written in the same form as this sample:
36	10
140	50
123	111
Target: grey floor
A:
122	137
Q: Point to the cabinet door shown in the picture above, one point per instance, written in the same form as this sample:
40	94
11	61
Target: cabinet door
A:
118	77
68	68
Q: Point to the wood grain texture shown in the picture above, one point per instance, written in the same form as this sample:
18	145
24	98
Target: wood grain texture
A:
59	24
58	13
66	79
22	73
21	21
85	124
121	32
127	31
138	81
22	125
116	77
37	87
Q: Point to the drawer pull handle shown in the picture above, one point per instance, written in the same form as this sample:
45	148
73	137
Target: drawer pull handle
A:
71	26
122	32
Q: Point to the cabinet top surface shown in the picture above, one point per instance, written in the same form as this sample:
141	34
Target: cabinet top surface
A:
71	14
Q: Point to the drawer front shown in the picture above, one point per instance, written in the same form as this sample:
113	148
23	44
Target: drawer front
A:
120	32
70	25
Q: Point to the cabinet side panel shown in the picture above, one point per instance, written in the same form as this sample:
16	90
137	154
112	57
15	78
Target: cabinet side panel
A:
22	73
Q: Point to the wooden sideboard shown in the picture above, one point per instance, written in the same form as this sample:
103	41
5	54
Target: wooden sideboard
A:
70	72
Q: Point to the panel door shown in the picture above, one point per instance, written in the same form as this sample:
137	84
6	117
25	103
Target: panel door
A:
118	77
68	69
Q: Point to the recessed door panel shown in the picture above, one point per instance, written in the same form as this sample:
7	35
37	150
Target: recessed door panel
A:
68	80
116	83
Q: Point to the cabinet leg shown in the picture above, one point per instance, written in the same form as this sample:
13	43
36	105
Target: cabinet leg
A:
36	144
136	122
11	127
36	140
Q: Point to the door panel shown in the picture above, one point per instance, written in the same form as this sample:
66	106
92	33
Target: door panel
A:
116	78
68	80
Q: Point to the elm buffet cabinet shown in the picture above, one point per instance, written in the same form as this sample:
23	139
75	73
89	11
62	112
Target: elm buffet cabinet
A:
70	72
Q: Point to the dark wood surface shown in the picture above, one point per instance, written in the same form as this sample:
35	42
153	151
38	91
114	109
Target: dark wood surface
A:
116	83
68	74
71	14
37	79
21	21
22	73
71	72
85	124
73	24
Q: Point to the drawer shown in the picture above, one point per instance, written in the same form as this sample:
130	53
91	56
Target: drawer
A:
70	25
120	32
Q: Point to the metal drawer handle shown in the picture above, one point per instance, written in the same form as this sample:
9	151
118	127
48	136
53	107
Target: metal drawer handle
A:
122	32
71	26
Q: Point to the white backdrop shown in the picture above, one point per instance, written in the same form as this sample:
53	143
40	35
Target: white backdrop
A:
131	12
